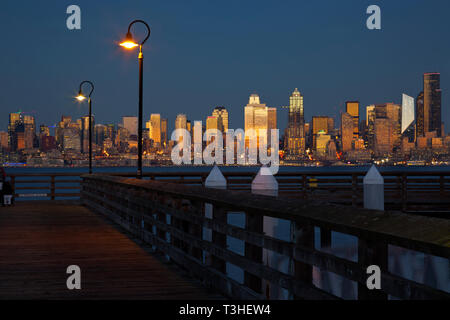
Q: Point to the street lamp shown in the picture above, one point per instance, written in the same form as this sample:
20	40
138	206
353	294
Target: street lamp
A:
129	43
81	97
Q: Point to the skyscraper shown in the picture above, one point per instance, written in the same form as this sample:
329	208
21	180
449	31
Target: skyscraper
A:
181	122
432	95
408	115
295	132
259	117
164	133
352	108
29	131
155	129
347	131
131	124
420	117
85	133
222	117
14	119
319	124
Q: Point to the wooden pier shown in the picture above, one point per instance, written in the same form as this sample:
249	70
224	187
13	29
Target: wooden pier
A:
39	240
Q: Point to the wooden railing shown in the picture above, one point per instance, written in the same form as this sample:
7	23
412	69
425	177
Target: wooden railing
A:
403	191
171	217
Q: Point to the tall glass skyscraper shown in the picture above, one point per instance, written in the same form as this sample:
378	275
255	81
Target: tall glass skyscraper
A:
295	132
432	95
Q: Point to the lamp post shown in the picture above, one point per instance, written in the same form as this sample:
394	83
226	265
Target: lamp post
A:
129	43
81	98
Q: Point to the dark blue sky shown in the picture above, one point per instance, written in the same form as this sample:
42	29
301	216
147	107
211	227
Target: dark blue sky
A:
207	53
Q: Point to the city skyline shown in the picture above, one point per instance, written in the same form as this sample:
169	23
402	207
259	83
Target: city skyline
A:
315	67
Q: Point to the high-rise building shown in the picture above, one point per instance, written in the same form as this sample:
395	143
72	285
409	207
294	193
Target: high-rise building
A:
295	142
181	122
420	117
155	129
259	117
131	124
352	108
85	133
164	133
14	120
384	133
29	131
408	115
347	130
319	124
432	95
4	141
222	117
71	139
99	134
110	132
212	123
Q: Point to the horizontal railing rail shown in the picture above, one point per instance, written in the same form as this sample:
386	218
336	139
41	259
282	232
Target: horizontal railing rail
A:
173	218
412	191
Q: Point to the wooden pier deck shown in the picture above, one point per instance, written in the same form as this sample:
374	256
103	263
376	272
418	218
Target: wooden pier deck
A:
38	241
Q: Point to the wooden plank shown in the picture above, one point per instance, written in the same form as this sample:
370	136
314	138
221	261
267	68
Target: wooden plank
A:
38	243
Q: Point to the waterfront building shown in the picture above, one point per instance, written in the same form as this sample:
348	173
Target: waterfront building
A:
222	118
164	133
352	108
295	139
319	124
181	122
131	124
432	95
347	131
260	118
155	129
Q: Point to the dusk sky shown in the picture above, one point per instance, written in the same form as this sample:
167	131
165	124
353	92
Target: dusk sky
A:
203	54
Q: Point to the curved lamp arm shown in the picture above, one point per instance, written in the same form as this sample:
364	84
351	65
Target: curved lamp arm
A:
92	86
148	29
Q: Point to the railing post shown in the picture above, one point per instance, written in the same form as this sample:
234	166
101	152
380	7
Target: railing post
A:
13	184
304	184
372	252
52	188
404	192
216	180
373	190
303	237
253	223
354	189
442	185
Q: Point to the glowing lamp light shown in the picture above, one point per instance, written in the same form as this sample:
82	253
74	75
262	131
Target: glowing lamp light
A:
80	97
129	43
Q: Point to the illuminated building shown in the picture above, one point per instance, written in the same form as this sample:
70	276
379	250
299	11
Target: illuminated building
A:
295	140
260	118
346	132
432	95
222	118
155	129
352	108
320	123
131	124
181	122
71	139
85	133
164	133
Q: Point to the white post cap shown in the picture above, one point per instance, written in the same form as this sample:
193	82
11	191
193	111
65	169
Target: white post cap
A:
215	179
264	181
373	176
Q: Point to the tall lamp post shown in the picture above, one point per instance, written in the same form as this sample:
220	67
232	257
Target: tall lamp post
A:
129	43
81	98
